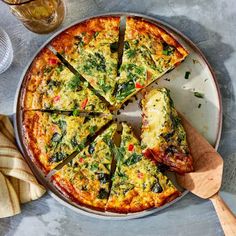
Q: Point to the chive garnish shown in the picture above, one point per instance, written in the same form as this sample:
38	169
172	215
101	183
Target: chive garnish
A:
198	95
187	74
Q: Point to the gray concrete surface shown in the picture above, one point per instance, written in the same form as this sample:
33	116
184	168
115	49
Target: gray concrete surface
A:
211	24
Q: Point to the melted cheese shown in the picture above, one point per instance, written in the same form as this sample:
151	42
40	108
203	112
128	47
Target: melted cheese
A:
156	110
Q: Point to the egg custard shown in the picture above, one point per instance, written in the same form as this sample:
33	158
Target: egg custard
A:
163	136
86	179
50	138
137	183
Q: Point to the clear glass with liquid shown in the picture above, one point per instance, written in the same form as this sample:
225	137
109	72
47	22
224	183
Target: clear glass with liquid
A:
39	16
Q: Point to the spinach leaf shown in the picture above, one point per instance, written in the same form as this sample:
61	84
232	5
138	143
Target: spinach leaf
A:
114	47
131	53
156	187
62	124
167	49
74	84
73	142
92	129
94	167
103	178
134	158
57	157
103	194
56	137
126	45
124	90
91	149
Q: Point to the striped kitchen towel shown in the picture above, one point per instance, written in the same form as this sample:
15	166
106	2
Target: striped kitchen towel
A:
17	183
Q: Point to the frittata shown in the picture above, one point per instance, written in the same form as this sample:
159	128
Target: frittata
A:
50	85
86	178
91	48
163	135
50	138
149	52
137	183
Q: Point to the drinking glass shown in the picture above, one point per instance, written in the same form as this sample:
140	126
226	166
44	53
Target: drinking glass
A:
39	16
6	51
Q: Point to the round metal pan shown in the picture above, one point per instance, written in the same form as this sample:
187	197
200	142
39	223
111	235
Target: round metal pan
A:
214	138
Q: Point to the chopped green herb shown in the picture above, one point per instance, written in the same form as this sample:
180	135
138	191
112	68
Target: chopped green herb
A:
198	95
60	68
167	49
92	129
96	34
75	112
47	70
74	83
94	167
123	90
134	158
199	105
86	84
131	53
187	74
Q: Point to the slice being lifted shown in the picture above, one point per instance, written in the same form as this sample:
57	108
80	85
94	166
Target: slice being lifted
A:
149	52
163	135
50	138
91	48
86	178
52	86
137	183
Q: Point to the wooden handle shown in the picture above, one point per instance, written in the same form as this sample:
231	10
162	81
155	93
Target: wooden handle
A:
225	215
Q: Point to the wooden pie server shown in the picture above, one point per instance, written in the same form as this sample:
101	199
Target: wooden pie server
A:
205	181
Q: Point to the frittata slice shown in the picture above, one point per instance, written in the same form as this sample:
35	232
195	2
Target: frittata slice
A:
86	179
50	85
137	183
149	52
91	48
50	138
163	135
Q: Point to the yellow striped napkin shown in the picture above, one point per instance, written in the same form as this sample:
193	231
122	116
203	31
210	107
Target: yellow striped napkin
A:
17	183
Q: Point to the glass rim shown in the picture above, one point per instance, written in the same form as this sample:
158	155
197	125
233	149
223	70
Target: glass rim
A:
16	4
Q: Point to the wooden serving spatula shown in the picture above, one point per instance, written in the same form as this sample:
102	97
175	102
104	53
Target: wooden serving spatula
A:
205	181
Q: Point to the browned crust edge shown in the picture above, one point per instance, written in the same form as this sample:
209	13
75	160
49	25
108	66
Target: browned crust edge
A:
29	143
69	195
142	208
170	39
185	166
